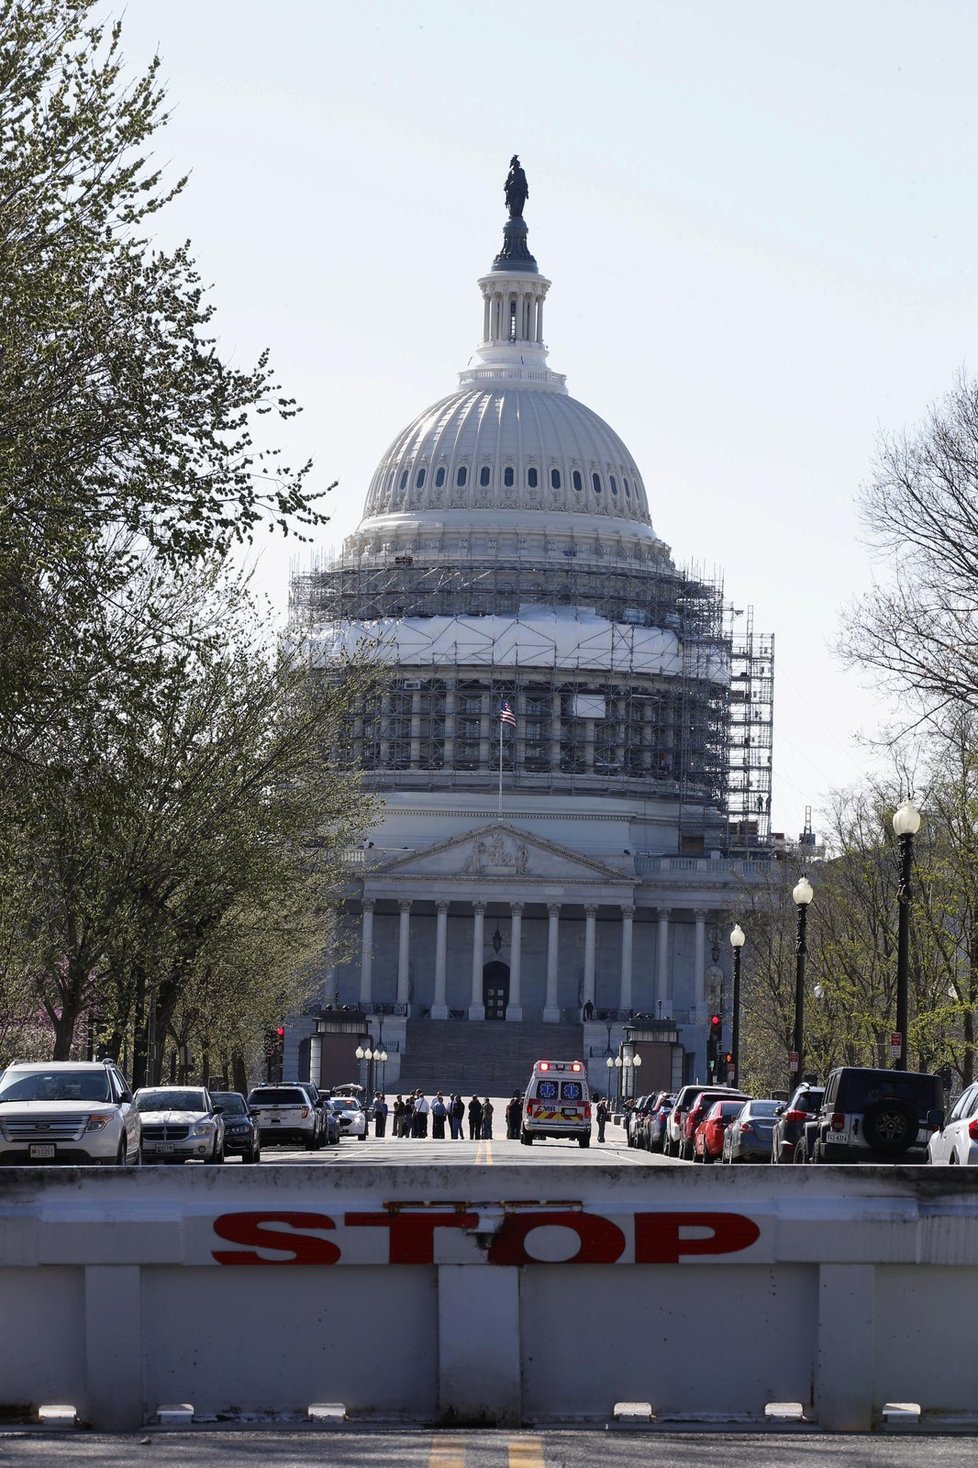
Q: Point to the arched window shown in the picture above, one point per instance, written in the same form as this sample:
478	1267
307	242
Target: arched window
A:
628	492
404	479
485	474
596	482
614	485
419	482
508	478
555	478
532	478
577	480
461	475
439	477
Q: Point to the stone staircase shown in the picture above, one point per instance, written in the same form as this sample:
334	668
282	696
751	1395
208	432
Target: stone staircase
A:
490	1058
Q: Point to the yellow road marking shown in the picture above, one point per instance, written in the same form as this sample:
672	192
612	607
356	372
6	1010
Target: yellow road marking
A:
447	1452
526	1453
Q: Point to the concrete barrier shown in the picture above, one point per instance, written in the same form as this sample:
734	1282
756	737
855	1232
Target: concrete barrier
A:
504	1294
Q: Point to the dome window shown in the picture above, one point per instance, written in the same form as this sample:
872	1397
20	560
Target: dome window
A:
614	485
577	481
461	475
485	474
439	478
555	478
419	482
628	492
596	482
508	478
532	478
404	479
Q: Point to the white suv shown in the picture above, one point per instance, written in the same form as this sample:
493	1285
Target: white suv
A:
67	1111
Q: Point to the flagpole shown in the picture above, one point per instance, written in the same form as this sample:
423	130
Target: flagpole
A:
500	764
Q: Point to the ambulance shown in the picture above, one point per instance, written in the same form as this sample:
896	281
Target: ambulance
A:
557	1102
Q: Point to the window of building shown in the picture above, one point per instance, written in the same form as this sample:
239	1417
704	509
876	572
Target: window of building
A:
596	483
532	478
404	479
439	478
485	474
508	478
419	482
577	481
461	475
614	485
555	478
628	492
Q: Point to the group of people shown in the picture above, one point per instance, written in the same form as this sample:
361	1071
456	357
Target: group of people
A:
414	1114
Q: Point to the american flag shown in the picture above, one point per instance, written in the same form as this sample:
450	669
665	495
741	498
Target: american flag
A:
506	715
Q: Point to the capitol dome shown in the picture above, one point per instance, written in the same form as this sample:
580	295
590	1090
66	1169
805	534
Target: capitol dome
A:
510	449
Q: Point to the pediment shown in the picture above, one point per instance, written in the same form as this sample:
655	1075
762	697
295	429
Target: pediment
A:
498	852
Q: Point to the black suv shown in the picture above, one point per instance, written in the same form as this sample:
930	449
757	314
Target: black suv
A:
790	1124
877	1115
241	1134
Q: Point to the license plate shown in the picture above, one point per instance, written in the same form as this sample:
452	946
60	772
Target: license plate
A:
41	1150
163	1146
275	1120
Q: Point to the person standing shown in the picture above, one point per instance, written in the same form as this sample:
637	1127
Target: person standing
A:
487	1110
397	1116
514	1115
475	1119
421	1110
439	1111
601	1114
379	1109
456	1115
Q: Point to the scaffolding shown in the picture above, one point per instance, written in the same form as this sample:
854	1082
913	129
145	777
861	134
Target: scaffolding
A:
751	735
601	723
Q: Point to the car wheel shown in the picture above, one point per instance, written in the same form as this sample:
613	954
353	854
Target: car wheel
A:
799	1152
890	1127
122	1156
817	1152
584	1141
526	1139
218	1155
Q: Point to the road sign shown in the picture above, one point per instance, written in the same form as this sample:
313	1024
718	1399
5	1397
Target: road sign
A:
896	1045
793	1060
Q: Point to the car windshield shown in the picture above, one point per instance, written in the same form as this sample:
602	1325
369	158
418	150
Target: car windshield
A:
762	1108
167	1099
345	1103
55	1085
278	1096
230	1102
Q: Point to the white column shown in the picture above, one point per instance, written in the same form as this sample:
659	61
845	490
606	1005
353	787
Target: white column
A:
404	951
514	1009
625	985
699	964
663	992
439	1007
590	913
477	1009
367	952
551	1009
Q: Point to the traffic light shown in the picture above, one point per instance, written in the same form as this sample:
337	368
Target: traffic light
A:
274	1048
713	1045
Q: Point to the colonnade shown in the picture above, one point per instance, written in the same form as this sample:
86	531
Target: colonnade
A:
552	1009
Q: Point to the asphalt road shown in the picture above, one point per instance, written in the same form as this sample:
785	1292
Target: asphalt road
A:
380	1449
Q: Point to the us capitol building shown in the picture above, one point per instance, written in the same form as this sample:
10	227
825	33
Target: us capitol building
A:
572	745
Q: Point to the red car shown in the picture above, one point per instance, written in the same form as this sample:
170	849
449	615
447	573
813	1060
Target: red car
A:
703	1103
708	1137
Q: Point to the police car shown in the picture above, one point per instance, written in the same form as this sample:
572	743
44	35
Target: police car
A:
557	1102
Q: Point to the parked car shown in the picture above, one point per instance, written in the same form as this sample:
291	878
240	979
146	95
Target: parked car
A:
749	1135
789	1124
317	1101
696	1111
242	1134
708	1137
180	1124
286	1114
654	1132
635	1119
350	1114
877	1115
956	1143
68	1111
680	1110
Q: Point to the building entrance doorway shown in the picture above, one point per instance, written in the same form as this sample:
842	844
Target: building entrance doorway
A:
495	989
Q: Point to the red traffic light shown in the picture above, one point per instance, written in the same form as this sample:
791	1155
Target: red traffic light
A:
714	1021
281	1032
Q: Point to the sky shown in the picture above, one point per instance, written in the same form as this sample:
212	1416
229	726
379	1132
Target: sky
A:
759	221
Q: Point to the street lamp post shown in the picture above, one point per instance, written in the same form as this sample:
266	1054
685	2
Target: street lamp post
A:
636	1062
737	940
618	1090
906	824
801	897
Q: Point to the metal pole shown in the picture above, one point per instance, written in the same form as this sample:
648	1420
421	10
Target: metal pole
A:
903	947
500	765
735	1036
800	951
